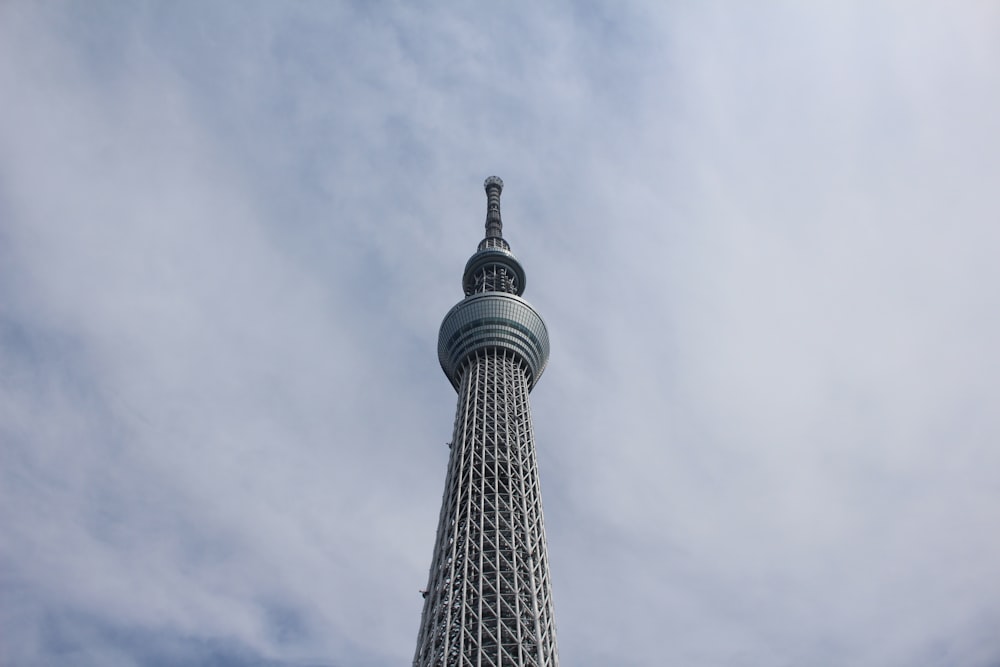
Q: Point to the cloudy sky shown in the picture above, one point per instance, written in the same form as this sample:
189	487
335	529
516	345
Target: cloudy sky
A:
763	236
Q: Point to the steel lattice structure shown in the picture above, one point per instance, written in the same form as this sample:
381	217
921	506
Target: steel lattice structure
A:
489	599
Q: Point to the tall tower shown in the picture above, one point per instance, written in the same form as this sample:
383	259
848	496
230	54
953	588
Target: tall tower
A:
489	597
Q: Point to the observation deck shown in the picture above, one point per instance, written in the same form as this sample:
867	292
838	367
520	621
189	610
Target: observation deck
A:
493	320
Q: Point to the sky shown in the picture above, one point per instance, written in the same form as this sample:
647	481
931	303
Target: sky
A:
763	237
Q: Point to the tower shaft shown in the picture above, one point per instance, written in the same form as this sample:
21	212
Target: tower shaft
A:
489	597
489	601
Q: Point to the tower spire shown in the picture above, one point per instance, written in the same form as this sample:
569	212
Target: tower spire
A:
493	267
494	226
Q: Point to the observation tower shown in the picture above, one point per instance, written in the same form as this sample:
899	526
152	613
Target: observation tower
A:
489	598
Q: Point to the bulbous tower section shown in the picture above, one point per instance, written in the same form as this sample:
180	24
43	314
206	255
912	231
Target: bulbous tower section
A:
488	599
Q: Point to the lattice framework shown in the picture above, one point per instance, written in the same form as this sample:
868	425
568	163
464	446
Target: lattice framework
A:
489	597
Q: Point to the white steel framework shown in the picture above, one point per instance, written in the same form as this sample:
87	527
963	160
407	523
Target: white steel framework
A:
489	599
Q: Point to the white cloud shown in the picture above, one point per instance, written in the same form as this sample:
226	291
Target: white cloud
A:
762	239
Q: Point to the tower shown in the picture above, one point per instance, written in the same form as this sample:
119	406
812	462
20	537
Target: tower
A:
489	598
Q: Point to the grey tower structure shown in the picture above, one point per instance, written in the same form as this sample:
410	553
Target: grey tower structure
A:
489	597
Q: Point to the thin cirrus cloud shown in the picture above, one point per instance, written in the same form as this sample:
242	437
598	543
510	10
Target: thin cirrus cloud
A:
761	238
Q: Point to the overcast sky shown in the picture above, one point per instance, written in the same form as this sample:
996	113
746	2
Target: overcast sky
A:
764	237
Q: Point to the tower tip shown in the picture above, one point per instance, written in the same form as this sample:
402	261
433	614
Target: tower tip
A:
493	181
